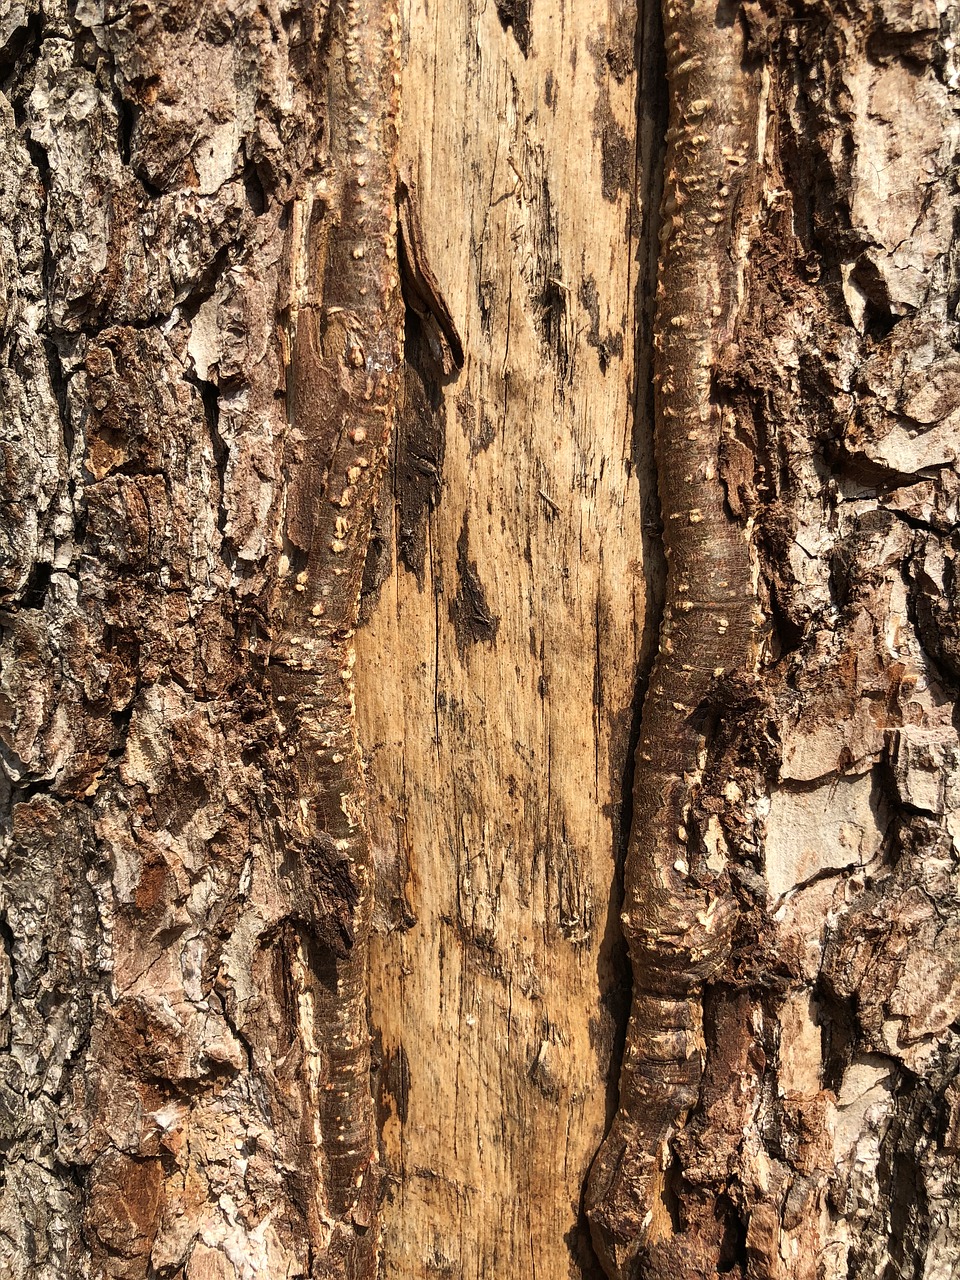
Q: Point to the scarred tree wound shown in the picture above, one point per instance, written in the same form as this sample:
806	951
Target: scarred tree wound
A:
344	367
678	912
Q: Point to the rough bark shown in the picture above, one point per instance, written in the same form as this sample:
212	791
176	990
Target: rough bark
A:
678	909
811	1130
200	353
201	349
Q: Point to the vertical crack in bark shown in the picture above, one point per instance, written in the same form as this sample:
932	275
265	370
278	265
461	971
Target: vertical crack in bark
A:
678	913
651	118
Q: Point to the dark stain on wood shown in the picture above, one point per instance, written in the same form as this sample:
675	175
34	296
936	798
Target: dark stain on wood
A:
609	344
441	347
433	356
514	16
472	618
617	159
379	561
620	52
421	445
395	1083
479	427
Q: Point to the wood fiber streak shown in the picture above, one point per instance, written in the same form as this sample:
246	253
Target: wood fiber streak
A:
678	914
343	379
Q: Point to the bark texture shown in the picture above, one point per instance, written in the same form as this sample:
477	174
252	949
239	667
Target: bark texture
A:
678	909
198	217
811	805
200	354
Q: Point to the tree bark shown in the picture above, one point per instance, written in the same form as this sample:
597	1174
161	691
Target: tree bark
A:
202	337
749	580
813	891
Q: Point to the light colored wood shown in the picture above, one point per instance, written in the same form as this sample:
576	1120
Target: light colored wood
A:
822	1139
497	767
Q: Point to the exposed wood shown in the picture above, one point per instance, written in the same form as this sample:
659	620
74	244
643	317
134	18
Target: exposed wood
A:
497	674
818	1139
205	215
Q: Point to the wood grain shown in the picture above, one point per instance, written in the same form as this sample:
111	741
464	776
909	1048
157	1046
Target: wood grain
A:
496	676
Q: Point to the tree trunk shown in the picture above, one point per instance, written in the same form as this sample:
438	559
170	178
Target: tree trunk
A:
716	527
